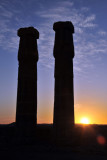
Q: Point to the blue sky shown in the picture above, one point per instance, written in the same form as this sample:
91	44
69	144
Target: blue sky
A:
90	42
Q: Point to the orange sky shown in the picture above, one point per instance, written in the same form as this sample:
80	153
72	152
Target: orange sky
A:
95	116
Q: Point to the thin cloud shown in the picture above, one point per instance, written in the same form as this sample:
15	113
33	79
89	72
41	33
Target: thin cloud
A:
81	23
77	106
67	3
87	45
102	33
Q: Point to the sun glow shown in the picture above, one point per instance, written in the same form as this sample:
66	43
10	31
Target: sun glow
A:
84	120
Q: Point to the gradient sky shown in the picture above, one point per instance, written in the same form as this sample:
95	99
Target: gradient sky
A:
90	61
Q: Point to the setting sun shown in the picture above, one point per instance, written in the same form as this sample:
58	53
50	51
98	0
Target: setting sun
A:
84	120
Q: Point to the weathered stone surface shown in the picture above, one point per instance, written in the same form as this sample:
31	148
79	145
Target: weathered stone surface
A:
28	51
63	40
26	112
63	25
28	31
64	94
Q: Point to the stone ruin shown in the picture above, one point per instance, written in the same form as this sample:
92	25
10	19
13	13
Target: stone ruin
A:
26	111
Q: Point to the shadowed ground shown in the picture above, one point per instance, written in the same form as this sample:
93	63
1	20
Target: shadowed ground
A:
88	142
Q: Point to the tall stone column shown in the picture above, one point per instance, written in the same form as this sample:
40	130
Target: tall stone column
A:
64	95
26	111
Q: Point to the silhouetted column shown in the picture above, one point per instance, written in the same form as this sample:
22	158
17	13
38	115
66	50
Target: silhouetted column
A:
64	96
26	112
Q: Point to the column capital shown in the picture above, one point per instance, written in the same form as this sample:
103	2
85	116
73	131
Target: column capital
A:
28	31
28	50
63	25
63	46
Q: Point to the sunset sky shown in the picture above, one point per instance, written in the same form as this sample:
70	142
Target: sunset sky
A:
90	61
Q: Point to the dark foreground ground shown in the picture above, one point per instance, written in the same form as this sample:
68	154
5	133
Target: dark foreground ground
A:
85	143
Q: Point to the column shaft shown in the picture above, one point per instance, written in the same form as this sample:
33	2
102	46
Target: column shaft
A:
26	111
64	92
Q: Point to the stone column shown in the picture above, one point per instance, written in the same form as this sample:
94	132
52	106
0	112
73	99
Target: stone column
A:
64	95
26	111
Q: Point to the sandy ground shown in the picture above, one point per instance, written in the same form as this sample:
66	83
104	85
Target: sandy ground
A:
41	147
40	152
